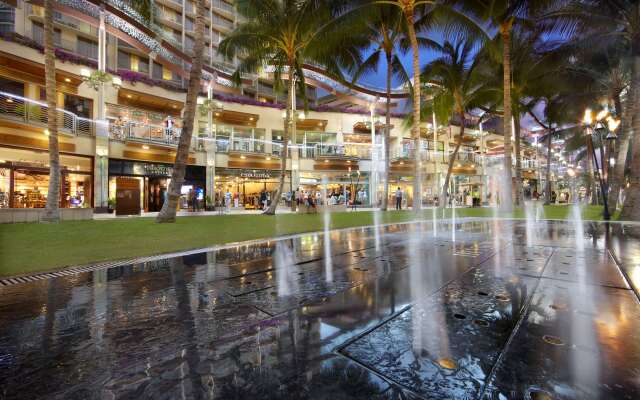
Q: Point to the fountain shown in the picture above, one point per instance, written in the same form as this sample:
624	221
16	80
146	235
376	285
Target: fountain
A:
283	260
328	267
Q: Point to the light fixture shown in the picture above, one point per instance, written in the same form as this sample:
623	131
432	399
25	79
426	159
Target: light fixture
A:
613	123
9	100
67	80
301	116
129	96
174	106
602	114
612	161
250	118
326	161
243	157
571	172
588	118
144	146
46	132
268	158
2	161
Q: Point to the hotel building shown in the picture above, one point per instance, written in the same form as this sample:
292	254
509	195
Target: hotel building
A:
118	138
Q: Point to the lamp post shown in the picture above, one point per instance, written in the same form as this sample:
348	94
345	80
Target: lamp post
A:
603	132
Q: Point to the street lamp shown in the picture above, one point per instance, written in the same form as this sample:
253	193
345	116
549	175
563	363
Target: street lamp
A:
603	132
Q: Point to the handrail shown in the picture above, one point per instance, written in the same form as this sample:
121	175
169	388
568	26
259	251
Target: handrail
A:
35	112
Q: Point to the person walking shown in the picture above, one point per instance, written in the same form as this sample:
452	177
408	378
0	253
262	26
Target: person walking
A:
399	199
263	200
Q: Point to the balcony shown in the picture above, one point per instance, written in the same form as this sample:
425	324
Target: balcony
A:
222	23
19	109
223	6
152	134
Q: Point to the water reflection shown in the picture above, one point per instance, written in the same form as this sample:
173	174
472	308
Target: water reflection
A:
262	321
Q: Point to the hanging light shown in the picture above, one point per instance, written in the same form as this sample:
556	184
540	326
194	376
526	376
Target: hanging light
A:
588	118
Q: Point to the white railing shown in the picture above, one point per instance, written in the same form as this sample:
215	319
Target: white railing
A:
33	112
136	132
222	5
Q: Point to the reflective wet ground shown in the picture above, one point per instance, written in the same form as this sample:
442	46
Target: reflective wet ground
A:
477	310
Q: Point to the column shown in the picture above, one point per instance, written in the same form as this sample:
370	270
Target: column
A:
101	163
373	174
436	159
295	154
483	161
210	149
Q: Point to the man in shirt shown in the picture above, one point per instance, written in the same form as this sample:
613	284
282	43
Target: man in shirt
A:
398	199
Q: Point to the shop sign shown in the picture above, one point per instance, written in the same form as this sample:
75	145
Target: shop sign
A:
146	169
254	174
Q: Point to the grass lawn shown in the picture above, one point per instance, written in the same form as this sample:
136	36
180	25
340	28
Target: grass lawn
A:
27	248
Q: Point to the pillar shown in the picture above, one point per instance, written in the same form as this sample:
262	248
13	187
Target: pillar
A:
101	162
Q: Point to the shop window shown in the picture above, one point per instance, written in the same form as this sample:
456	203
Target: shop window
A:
5	187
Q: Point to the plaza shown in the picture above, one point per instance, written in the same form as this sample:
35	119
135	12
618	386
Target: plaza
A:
319	199
500	310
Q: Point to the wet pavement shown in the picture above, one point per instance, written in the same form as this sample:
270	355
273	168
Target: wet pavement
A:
479	309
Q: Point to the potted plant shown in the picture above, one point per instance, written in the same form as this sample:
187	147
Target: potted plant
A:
209	204
112	205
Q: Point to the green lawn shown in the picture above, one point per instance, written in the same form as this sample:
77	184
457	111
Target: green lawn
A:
26	248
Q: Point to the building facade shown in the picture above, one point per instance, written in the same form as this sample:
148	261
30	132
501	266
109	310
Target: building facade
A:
118	140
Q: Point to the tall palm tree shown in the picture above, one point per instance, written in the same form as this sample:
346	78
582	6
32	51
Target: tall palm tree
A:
284	34
384	28
504	15
459	87
169	208
52	211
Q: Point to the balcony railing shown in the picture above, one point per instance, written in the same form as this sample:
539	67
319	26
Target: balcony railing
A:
33	112
136	132
222	5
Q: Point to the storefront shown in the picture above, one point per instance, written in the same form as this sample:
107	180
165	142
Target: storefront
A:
24	179
245	186
351	184
152	184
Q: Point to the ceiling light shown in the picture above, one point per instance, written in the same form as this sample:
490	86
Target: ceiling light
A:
67	80
46	132
129	96
268	158
144	146
326	161
243	157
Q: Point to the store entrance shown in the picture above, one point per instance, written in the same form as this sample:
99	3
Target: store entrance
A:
157	193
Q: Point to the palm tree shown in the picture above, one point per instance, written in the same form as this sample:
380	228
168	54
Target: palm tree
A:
459	87
169	208
385	29
285	34
505	15
605	23
52	211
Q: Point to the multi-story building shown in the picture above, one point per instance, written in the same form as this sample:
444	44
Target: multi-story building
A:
118	139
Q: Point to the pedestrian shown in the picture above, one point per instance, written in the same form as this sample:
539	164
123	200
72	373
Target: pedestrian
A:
263	200
227	200
399	199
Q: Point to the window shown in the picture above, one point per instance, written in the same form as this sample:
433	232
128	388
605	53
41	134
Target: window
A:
188	24
157	71
38	34
124	60
87	48
7	19
143	65
13	87
80	106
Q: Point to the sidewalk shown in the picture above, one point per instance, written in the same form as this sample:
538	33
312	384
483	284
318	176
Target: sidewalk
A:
233	211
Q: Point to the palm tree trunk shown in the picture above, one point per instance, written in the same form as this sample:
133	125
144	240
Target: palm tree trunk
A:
519	190
593	181
387	137
631	208
169	208
415	129
547	197
452	160
506	200
52	211
285	140
616	174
